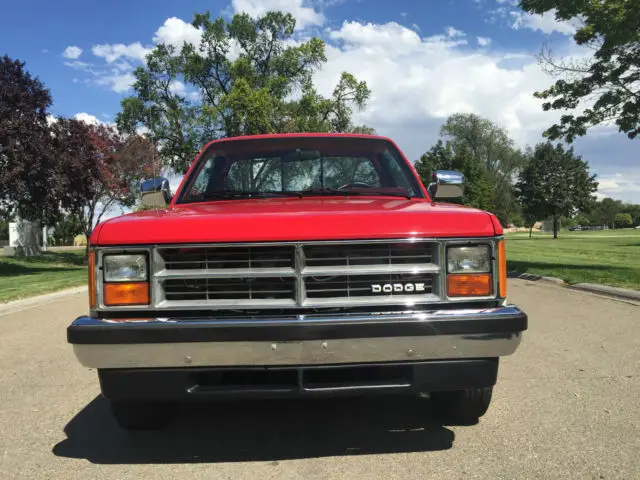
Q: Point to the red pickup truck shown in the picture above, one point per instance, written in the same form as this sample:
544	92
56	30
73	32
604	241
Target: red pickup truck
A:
297	265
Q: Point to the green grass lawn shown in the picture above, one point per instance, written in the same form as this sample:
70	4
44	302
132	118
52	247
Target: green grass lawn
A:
23	277
609	257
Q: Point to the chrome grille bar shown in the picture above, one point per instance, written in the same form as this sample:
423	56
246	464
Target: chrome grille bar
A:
295	274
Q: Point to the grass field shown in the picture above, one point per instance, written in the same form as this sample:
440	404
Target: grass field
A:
24	277
609	257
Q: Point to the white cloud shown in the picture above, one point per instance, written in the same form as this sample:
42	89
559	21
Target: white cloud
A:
78	65
119	83
454	33
403	14
622	186
87	118
142	130
177	87
483	41
417	82
111	53
304	14
176	32
72	52
391	37
546	23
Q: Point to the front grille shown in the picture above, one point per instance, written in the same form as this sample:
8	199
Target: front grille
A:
367	254
289	275
227	258
230	289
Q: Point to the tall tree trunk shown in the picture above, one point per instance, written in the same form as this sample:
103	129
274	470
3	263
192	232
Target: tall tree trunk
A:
555	226
27	242
531	229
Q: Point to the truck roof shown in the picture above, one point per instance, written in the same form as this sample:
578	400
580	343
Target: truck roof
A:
294	135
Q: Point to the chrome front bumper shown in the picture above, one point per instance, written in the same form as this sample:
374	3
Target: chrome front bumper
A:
303	340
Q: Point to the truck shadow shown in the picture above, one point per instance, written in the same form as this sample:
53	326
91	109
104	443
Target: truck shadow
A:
260	431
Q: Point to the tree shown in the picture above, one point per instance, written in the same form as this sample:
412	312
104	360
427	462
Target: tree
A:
623	220
4	231
605	87
582	219
531	215
363	129
555	182
634	211
610	208
486	155
442	156
245	77
26	158
119	164
67	228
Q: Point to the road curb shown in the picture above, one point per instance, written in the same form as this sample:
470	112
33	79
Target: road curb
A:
21	304
623	293
537	278
604	290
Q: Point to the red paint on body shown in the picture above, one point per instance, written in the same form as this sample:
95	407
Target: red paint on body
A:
309	218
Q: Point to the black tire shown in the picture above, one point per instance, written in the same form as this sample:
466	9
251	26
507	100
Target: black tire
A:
132	415
463	407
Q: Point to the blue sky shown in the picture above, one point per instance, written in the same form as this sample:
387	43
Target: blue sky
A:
423	61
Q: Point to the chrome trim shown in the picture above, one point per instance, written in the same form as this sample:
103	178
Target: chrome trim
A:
100	253
371	269
158	273
432	316
308	352
228	273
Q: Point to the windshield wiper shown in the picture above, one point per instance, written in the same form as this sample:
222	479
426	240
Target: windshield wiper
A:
347	192
230	194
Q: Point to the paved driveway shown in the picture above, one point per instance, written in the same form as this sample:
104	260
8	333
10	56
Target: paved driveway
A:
567	405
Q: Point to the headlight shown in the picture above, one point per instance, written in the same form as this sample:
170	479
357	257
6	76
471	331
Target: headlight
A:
125	268
469	259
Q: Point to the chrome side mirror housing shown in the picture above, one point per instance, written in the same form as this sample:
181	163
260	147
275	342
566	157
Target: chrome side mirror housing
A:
156	193
446	184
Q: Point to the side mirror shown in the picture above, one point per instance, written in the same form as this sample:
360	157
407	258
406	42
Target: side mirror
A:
446	184
156	193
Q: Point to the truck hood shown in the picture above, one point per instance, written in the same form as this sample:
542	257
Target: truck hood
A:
295	219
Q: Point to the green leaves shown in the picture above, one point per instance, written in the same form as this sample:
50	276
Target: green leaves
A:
247	76
485	154
608	84
555	182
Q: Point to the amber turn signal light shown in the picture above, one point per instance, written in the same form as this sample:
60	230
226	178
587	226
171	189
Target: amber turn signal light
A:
119	294
502	267
472	285
92	279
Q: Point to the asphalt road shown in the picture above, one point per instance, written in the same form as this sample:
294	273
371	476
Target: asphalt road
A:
566	406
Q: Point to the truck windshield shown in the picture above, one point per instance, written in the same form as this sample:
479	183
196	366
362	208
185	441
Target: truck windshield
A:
300	166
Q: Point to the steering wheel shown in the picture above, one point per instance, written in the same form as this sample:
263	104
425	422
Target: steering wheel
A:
355	184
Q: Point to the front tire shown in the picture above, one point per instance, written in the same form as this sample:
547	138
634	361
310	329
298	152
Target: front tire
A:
132	415
463	407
